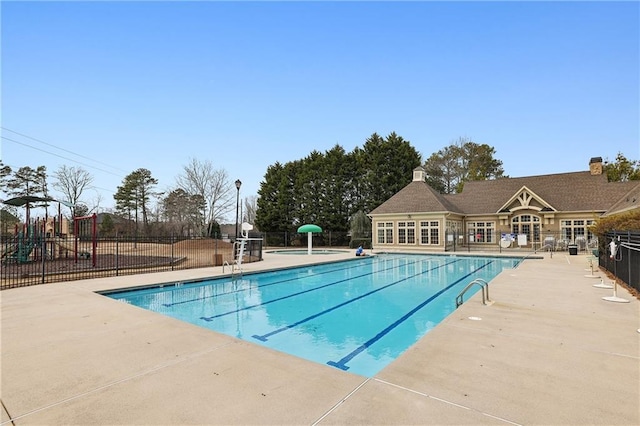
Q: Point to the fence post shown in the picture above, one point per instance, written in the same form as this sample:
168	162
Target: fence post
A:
117	254
172	246
44	255
628	252
94	237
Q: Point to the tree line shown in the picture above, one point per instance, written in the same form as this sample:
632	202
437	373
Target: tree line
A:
331	188
202	195
328	188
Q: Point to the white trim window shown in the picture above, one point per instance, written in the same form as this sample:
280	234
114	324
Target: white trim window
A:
385	233
430	232
482	232
526	224
407	232
577	229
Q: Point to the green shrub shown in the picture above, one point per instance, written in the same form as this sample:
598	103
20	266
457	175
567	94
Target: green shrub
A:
627	221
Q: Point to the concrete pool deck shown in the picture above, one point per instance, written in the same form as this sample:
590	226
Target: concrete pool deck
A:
548	350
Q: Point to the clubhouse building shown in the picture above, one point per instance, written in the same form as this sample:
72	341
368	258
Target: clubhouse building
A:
529	212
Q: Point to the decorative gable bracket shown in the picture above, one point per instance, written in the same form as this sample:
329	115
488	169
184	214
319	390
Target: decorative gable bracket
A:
526	199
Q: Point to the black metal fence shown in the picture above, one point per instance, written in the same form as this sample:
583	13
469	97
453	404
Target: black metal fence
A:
454	241
553	241
295	239
623	258
32	260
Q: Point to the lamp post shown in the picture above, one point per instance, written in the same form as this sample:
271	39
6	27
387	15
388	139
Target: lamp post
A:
238	184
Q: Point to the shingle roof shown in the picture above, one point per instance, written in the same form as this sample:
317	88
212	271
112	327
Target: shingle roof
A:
416	197
576	191
629	201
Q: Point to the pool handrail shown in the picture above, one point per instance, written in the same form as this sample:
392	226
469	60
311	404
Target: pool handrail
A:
232	265
484	285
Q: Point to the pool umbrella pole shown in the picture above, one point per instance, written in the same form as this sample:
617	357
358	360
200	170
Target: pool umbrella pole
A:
309	229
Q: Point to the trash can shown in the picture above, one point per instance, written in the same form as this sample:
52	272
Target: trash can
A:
573	249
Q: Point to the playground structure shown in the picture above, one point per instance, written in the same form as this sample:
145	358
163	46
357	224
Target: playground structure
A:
125	255
50	239
55	249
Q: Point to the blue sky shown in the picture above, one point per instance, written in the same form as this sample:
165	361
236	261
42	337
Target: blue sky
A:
116	86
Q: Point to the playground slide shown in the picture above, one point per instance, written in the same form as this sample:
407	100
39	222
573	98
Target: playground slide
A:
18	252
11	250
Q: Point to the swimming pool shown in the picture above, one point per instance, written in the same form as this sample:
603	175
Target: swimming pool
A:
356	315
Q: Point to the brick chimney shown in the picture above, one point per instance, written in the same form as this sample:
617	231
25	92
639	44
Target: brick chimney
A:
595	166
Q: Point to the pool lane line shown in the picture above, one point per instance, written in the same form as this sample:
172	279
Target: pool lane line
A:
168	305
342	363
211	318
265	337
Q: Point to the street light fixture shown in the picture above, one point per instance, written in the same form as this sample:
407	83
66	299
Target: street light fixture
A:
238	184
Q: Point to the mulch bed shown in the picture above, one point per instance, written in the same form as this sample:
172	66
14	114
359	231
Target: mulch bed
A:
203	244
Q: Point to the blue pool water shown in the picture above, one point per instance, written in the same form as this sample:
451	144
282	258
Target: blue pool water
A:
356	315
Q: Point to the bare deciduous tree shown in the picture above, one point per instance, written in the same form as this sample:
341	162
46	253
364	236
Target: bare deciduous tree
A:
250	207
201	178
72	181
96	201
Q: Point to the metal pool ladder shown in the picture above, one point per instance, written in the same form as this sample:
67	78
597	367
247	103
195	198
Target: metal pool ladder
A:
238	254
485	291
233	268
226	263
